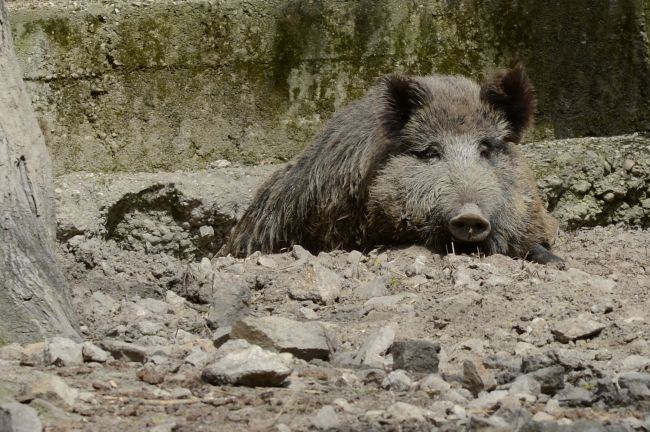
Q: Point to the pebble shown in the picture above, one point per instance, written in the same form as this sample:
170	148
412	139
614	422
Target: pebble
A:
401	412
376	345
124	350
93	353
433	385
397	380
16	417
420	356
320	285
327	418
581	327
305	340
60	351
251	366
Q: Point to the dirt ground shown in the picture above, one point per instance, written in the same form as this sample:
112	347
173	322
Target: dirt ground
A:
583	333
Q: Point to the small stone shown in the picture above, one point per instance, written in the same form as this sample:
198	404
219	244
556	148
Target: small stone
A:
401	412
198	358
525	385
93	353
541	416
347	379
301	253
433	385
152	374
635	363
319	284
550	378
372	352
476	378
417	267
206	231
326	418
397	380
377	287
637	383
174	300
16	417
11	352
251	366
153	306
419	356
576	328
220	163
308	313
51	388
628	164
147	327
221	335
536	361
183	337
33	354
609	197
488	401
124	350
267	261
573	396
60	351
305	340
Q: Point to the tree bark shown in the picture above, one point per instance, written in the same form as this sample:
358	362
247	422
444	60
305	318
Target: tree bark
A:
34	298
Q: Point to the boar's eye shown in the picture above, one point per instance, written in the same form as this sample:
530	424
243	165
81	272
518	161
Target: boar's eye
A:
431	152
489	146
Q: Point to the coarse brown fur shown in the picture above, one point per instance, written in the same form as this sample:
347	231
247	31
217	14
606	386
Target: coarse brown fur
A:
396	165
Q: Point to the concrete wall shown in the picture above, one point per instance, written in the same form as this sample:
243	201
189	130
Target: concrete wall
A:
162	85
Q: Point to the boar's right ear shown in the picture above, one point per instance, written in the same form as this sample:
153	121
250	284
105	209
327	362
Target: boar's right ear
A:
403	96
512	94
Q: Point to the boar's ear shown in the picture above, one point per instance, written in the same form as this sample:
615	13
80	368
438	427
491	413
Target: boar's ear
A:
403	96
513	95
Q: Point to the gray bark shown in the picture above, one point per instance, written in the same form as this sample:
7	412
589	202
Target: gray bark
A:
34	299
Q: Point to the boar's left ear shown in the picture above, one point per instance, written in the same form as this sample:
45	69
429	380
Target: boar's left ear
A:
403	95
513	95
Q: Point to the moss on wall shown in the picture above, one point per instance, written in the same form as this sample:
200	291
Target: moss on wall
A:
174	86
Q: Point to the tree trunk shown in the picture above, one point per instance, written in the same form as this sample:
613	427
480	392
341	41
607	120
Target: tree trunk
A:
34	299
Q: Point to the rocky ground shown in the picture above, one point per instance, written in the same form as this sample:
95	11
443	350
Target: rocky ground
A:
396	340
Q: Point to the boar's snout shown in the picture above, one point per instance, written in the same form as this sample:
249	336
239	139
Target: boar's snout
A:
470	225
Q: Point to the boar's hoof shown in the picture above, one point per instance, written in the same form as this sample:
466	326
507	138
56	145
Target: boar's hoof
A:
541	255
470	225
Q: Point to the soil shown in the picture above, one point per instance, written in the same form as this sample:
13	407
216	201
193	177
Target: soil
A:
496	312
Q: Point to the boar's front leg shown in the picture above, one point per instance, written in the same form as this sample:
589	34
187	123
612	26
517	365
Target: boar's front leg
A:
542	255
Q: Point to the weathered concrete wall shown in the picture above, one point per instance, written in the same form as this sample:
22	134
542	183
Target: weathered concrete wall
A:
175	85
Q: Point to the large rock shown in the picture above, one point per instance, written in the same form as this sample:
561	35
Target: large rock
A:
16	417
306	340
251	366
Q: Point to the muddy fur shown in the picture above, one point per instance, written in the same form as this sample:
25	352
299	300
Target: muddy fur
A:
396	165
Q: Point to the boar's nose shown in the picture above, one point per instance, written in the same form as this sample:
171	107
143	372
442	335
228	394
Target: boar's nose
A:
469	225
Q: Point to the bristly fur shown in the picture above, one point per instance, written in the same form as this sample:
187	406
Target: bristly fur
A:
394	166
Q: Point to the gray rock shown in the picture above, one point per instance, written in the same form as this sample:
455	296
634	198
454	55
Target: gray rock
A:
488	401
319	284
387	303
301	253
525	385
419	356
306	340
124	351
573	396
327	418
147	327
347	379
550	378
581	327
153	306
513	416
228	296
251	366
533	362
60	351
476	378
401	412
51	388
16	417
397	380
433	385
267	261
198	358
377	287
637	384
93	353
635	363
372	352
221	335
11	352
